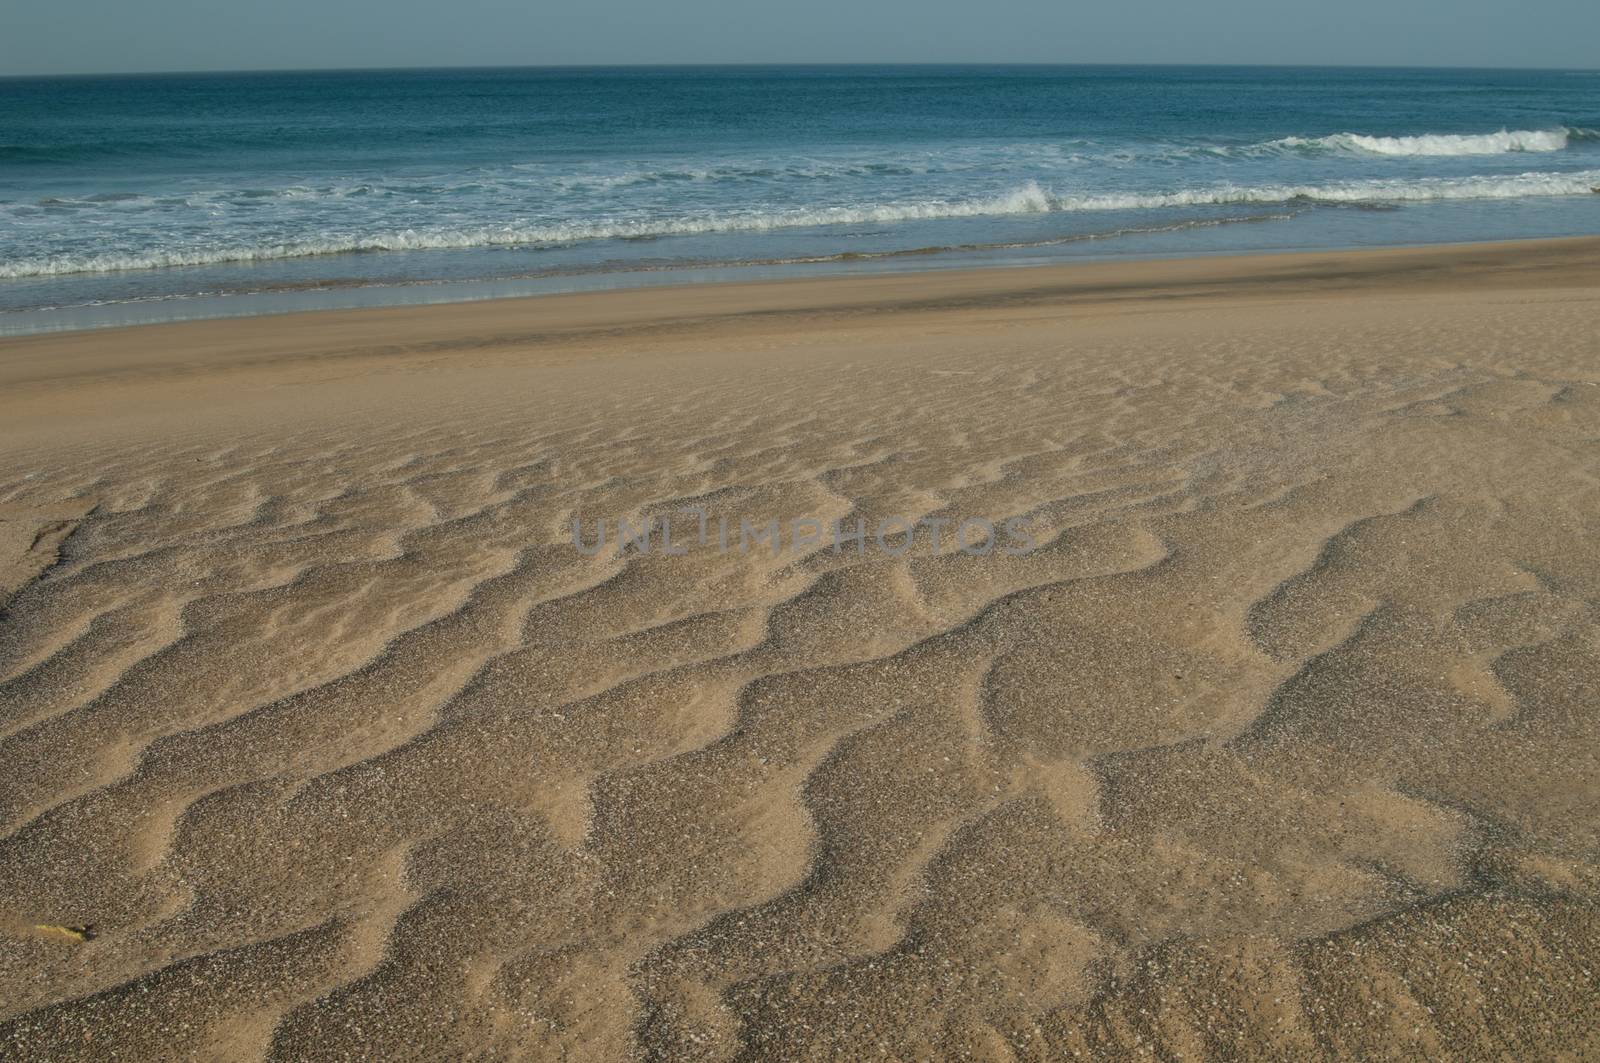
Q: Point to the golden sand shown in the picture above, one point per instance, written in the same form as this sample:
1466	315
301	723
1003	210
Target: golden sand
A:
319	738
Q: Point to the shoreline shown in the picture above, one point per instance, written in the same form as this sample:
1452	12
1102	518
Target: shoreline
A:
1494	263
712	274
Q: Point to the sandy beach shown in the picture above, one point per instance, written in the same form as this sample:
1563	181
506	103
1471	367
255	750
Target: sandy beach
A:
321	737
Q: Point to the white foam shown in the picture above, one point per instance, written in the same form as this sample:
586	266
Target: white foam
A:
1029	198
1440	144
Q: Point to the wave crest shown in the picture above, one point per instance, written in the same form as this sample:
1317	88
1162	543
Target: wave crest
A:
1443	144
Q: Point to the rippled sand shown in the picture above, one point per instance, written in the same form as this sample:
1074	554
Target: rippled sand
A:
320	740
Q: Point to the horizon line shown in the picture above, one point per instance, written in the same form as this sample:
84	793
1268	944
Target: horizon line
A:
788	64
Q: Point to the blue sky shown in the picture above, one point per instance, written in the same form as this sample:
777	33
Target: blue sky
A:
45	36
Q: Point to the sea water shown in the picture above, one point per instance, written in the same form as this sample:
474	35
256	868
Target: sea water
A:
146	198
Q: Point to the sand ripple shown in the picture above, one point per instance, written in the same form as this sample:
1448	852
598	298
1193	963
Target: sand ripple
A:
1282	743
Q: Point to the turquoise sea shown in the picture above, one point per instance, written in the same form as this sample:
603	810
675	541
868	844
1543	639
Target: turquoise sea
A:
145	198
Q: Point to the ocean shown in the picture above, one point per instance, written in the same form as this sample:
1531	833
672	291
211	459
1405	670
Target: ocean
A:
159	197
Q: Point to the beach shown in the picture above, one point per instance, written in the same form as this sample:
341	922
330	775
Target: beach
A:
1172	659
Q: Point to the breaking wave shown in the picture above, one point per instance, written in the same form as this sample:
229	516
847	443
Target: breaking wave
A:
1030	198
1444	144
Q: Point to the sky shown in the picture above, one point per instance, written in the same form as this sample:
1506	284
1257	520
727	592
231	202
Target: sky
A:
100	36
